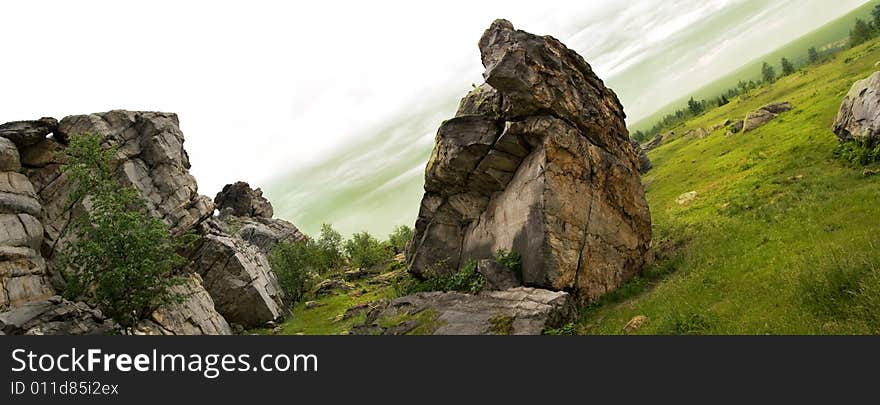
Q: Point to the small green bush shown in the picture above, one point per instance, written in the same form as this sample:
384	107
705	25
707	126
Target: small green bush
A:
511	260
566	330
860	151
365	251
327	250
400	237
120	257
467	280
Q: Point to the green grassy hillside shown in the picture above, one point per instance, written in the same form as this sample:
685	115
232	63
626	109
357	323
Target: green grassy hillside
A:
829	35
782	238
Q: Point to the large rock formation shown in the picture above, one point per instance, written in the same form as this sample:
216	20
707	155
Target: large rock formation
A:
537	160
859	114
645	164
229	279
518	311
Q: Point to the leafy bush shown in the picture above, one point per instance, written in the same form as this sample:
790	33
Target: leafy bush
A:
860	151
327	250
467	280
400	237
365	251
292	264
566	330
120	256
511	260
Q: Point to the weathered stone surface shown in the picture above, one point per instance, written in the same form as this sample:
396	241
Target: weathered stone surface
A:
17	195
498	277
765	114
238	278
9	157
686	198
261	232
735	127
41	154
698	133
194	316
859	114
644	161
547	171
243	201
518	311
25	133
54	316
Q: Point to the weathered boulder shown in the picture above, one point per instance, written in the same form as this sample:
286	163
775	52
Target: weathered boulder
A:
735	127
238	277
243	201
859	114
25	133
654	143
194	316
644	162
261	232
498	277
537	161
518	311
9	157
765	114
54	316
698	133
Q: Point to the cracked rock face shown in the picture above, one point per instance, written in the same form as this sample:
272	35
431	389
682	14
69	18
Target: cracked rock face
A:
859	114
537	160
517	311
243	201
194	316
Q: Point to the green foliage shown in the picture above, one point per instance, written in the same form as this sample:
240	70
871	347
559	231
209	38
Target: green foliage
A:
511	260
861	151
400	237
365	251
467	280
813	56
861	33
768	73
120	256
685	323
293	264
568	329
327	250
875	14
787	67
695	107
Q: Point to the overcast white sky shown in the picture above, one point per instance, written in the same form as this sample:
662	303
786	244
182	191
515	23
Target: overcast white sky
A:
271	90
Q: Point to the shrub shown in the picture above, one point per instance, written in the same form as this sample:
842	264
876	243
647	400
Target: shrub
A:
120	256
365	251
511	260
400	237
565	330
467	280
860	151
292	264
327	250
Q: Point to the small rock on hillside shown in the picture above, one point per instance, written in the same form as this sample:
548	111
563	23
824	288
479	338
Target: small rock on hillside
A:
518	311
859	114
536	161
765	114
657	141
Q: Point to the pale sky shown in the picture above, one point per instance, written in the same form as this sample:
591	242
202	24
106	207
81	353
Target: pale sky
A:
332	105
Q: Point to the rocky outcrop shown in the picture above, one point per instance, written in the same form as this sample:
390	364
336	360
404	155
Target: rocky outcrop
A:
537	161
765	114
243	201
26	133
196	315
859	115
229	272
698	133
23	276
238	277
735	127
644	162
518	311
54	316
498	277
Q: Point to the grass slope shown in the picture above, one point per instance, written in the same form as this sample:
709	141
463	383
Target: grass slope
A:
773	205
831	33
